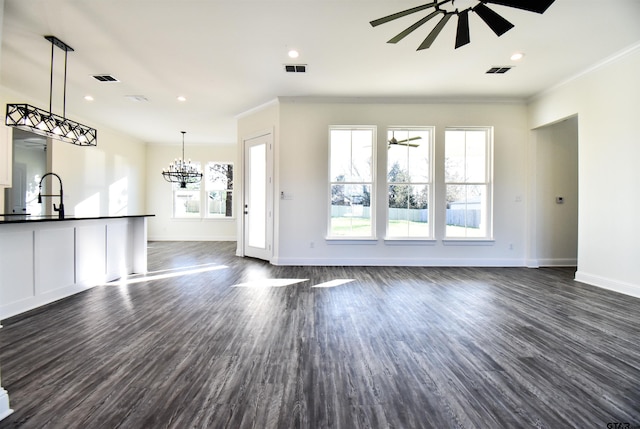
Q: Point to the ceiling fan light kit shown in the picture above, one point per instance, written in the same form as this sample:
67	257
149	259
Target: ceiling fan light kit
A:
446	9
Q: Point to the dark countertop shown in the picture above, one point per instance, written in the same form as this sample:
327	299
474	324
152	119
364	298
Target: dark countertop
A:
11	219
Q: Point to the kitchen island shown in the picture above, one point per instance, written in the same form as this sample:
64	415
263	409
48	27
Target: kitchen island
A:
44	258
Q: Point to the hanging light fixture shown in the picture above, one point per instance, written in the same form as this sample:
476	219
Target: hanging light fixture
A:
46	123
182	171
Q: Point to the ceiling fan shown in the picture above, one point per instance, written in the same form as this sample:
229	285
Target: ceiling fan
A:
496	22
404	142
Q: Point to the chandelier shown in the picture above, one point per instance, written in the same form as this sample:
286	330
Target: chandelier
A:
45	123
182	171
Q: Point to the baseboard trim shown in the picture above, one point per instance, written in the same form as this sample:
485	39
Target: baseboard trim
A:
558	262
199	238
400	262
610	284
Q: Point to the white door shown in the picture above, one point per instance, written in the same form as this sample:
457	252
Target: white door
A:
258	197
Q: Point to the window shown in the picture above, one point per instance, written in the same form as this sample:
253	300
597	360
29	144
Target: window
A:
409	180
216	190
186	201
468	153
219	189
351	179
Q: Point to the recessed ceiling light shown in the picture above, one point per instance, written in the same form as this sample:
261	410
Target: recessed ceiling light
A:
517	56
181	98
88	98
293	53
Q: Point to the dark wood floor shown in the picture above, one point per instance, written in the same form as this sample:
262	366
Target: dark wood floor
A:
395	347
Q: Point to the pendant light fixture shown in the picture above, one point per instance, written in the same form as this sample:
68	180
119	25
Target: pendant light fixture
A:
182	171
46	123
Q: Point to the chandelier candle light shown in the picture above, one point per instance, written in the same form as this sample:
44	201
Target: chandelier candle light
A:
182	171
45	123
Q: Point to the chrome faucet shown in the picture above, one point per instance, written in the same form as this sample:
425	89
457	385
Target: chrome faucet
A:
60	209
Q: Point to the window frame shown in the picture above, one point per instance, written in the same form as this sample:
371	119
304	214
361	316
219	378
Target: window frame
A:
372	183
230	190
429	183
202	190
488	183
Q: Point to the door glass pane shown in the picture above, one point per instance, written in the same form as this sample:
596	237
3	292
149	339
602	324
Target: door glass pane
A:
257	196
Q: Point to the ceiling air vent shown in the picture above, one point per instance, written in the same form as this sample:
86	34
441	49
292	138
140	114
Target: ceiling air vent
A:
295	68
137	98
105	78
499	70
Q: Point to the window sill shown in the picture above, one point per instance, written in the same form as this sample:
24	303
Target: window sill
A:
206	219
417	241
351	240
468	241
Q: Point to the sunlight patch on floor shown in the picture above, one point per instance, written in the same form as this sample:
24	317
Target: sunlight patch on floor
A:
262	283
334	283
166	274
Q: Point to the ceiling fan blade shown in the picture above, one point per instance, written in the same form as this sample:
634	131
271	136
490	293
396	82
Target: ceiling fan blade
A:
409	139
434	33
391	17
498	24
462	34
406	32
539	6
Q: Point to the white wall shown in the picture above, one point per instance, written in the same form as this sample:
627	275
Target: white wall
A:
302	171
606	102
160	197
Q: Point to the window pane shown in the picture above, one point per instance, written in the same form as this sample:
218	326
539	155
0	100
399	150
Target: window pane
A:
219	176
408	211
418	157
466	211
351	210
361	156
186	203
475	156
340	155
397	164
454	153
220	204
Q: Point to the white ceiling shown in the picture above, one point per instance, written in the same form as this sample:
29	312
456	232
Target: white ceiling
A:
226	56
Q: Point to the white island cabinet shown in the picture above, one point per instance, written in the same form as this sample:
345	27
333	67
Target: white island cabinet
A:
46	259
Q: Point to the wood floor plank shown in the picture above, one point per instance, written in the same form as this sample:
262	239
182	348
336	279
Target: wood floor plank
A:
390	347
